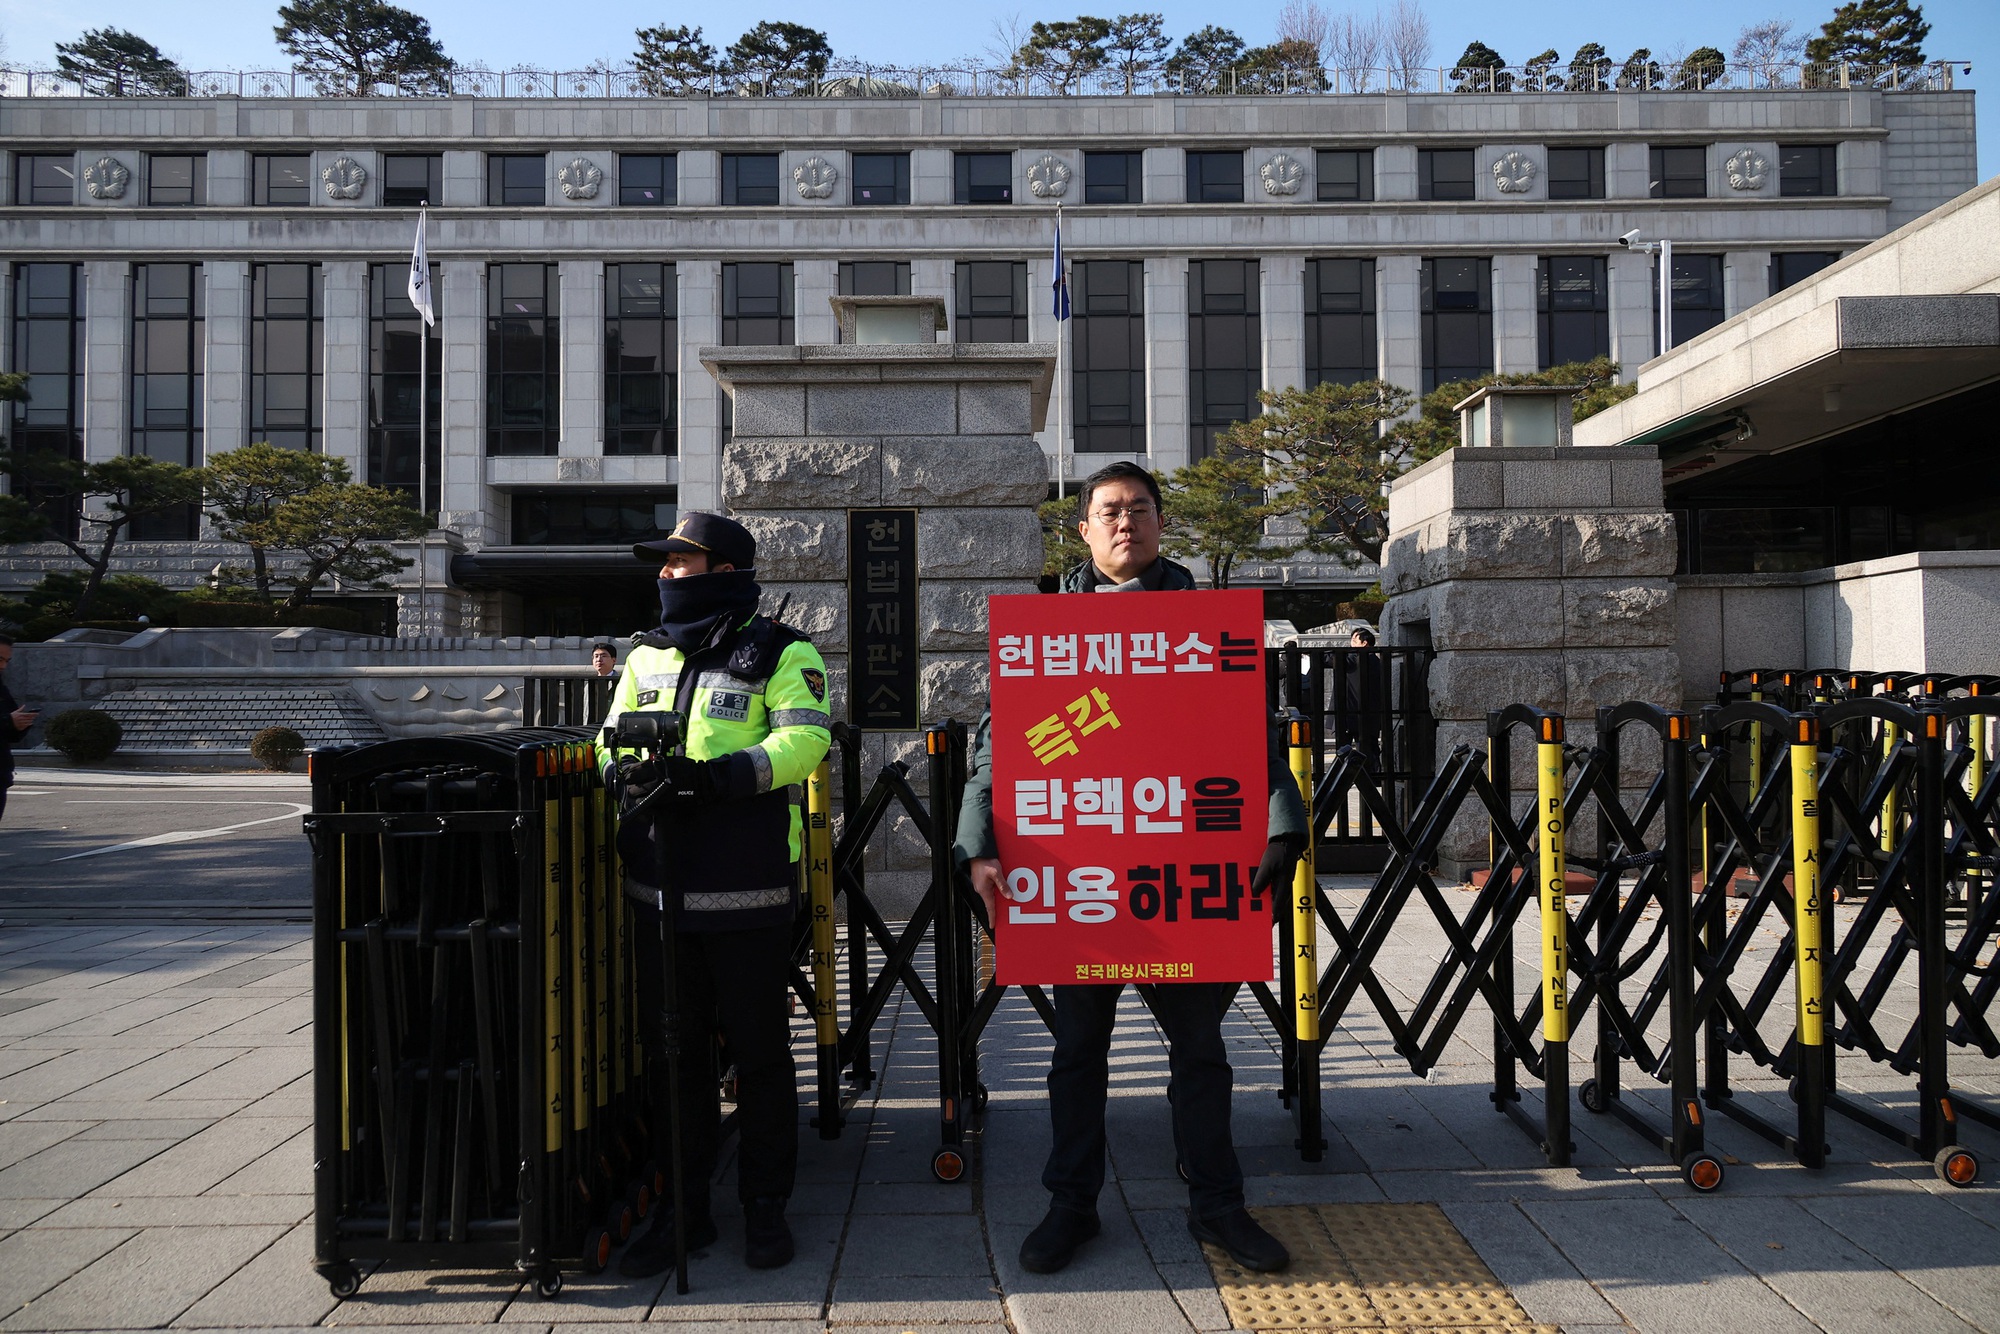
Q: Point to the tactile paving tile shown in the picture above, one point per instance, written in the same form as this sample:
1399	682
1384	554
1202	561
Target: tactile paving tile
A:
1367	1266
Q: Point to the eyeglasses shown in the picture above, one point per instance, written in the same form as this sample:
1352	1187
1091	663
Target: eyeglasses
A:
1111	514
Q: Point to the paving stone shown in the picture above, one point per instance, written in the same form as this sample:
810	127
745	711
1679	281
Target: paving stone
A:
277	1287
145	1282
45	1081
35	1260
588	1299
1541	1278
69	1169
24	1139
180	1211
406	1297
867	1297
198	1163
929	1244
724	1289
250	1076
1927	1241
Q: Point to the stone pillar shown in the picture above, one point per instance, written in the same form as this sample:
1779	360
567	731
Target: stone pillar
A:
1634	323
1540	576
1166	175
934	277
462	435
1396	172
344	343
1746	280
226	356
1516	341
1282	319
1628	171
581	313
930	176
698	176
107	358
1399	337
700	485
813	281
946	429
228	178
1167	361
464	183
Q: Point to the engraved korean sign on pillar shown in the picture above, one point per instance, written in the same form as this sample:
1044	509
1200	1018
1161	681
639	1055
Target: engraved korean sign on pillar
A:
1130	787
883	688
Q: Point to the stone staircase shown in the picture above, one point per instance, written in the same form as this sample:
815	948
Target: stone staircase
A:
223	717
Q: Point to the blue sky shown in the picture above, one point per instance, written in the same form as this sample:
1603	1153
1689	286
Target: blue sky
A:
236	34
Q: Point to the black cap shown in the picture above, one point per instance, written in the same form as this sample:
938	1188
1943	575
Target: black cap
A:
723	541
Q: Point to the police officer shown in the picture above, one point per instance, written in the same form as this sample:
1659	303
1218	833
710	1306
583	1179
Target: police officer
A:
1120	520
751	696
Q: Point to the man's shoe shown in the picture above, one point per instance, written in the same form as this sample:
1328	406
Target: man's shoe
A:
1052	1245
653	1252
1248	1244
767	1240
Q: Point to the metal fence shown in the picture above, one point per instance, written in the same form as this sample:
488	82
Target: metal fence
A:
873	81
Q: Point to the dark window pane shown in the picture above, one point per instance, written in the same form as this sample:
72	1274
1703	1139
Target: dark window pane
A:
881	178
45	178
1457	319
176	179
410	179
1113	178
1698	295
1444	173
647	179
516	180
1346	174
757	305
1108	348
1764	541
1340	321
1225	362
522	359
992	301
1576	173
1573	302
1789	267
750	178
167	358
1679	173
586	518
281	181
875	277
1215	178
642	349
1808	169
984	178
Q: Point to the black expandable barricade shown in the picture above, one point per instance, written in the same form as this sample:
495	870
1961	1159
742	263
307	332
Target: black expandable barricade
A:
477	1066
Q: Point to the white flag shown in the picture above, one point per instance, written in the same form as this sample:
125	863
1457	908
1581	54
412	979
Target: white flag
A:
420	275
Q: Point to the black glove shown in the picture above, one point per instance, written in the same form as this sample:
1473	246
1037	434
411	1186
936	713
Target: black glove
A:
686	782
1279	854
636	777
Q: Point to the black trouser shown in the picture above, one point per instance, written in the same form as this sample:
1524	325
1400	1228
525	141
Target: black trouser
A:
1199	1089
738	981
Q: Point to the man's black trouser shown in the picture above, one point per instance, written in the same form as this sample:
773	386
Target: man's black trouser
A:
1198	1066
738	981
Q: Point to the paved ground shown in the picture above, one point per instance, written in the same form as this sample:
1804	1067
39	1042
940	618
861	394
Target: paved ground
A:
154	1147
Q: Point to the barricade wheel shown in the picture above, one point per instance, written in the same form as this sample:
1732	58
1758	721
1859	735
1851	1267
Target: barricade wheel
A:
947	1164
642	1199
1702	1171
980	1097
1591	1094
619	1224
597	1246
548	1283
1956	1167
343	1282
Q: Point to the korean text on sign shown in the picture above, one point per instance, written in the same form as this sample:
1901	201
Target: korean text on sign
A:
1130	787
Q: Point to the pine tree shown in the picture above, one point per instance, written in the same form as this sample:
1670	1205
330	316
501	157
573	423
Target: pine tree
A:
110	62
1204	59
351	47
776	59
1216	512
1590	69
1064	53
1704	67
1481	70
1539	76
1878	34
673	62
1135	44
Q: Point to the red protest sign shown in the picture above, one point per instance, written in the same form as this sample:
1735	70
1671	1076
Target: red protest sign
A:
1130	793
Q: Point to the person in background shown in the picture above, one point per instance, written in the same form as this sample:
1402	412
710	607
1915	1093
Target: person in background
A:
14	723
604	658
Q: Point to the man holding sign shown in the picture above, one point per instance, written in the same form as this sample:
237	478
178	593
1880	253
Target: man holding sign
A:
1113	828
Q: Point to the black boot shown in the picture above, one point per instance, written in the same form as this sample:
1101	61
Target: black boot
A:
653	1252
1052	1245
767	1239
1239	1234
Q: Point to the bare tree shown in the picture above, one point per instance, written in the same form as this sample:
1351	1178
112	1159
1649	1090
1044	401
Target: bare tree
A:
1354	50
1306	22
1406	37
1763	47
1009	33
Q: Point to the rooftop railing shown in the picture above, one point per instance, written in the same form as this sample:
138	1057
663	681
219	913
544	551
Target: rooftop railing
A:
876	81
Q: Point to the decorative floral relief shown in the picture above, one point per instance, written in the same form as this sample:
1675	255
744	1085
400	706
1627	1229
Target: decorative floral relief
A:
814	178
1048	177
1747	169
580	179
1282	175
1514	172
107	178
343	178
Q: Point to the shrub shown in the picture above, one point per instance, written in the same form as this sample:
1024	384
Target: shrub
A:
277	747
85	736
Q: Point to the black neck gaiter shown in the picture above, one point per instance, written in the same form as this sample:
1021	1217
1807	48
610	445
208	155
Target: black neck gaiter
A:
692	607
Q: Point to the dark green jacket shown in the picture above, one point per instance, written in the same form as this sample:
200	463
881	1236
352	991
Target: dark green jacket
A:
975	816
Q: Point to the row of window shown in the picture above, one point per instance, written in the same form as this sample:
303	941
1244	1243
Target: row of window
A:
520	180
641	343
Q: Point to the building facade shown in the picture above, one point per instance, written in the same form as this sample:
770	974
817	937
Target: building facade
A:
183	276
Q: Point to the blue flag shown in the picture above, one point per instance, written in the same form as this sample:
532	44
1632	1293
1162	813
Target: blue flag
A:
1061	285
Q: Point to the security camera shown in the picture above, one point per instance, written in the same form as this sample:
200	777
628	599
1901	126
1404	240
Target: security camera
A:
1629	239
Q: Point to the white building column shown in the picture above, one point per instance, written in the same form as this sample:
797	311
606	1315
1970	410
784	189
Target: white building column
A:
1396	171
107	358
1746	280
1166	175
814	282
701	400
582	322
1516	346
462	492
344	345
934	277
1634	325
226	356
1167	360
1044	327
698	176
1281	320
1399	340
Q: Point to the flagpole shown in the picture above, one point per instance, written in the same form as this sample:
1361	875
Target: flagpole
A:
1062	363
423	446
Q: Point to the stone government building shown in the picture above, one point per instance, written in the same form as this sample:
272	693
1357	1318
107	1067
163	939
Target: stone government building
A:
183	276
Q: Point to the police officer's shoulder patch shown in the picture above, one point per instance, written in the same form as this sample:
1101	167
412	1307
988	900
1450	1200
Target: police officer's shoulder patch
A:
816	682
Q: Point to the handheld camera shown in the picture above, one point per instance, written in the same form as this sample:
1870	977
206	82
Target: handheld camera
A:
655	733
